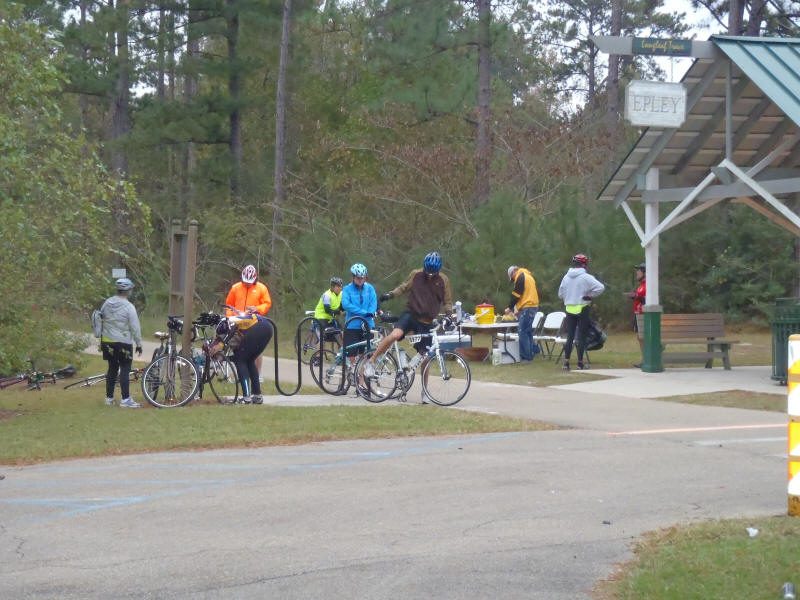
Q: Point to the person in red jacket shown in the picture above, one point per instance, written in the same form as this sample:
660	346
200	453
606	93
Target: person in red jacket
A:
249	296
638	297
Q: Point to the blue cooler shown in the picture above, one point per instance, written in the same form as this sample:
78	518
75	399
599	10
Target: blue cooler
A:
453	340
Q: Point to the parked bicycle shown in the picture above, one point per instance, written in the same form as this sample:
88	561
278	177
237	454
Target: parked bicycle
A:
170	380
338	373
307	339
135	375
446	376
34	379
217	370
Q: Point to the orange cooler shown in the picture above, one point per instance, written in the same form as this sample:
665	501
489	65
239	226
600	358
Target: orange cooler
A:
484	314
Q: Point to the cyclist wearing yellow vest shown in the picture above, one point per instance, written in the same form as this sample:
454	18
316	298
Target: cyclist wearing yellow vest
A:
577	290
524	304
330	304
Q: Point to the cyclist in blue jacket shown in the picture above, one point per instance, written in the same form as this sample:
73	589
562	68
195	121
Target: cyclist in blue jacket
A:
358	300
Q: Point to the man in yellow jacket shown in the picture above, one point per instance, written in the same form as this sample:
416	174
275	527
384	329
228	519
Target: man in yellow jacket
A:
524	305
249	296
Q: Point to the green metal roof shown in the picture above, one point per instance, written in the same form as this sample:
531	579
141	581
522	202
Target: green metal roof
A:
772	64
765	114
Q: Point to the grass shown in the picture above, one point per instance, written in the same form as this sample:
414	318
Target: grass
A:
709	561
735	399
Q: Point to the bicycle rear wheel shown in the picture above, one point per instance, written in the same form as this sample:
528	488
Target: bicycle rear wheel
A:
332	372
223	380
170	381
382	385
446	378
87	381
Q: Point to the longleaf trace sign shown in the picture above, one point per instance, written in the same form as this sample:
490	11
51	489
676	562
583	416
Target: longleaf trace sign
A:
655	104
658	47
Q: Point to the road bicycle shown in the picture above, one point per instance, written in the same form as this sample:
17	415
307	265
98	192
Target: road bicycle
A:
170	380
34	379
307	338
217	370
446	376
338	374
135	375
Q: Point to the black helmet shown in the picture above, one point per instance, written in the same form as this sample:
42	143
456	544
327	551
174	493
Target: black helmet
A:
641	267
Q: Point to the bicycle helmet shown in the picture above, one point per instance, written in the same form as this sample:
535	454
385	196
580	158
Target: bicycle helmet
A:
124	284
359	270
511	270
432	263
580	260
641	267
223	328
249	274
336	281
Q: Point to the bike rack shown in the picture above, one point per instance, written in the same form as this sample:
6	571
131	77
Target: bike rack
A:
320	324
299	362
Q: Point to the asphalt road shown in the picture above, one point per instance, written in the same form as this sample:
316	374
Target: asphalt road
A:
518	515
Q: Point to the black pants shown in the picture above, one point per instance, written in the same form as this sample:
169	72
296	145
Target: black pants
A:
119	357
581	323
244	357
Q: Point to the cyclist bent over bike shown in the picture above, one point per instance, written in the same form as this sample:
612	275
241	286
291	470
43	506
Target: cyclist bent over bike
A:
428	292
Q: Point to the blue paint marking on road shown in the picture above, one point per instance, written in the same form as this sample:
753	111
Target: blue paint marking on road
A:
83	506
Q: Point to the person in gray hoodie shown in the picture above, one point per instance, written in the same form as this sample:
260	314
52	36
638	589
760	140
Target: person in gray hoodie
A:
120	331
577	290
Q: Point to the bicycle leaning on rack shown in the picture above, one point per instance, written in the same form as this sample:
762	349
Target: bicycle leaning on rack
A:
135	375
446	376
338	374
217	370
34	379
170	380
307	338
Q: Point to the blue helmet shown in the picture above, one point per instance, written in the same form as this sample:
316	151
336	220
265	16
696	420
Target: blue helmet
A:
432	263
124	284
359	270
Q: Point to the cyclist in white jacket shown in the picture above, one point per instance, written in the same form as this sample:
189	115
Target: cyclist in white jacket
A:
577	290
121	330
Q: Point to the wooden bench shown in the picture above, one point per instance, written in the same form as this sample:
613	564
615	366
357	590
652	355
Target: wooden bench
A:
707	329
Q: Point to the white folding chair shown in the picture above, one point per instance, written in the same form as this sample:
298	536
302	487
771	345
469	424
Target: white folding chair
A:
550	331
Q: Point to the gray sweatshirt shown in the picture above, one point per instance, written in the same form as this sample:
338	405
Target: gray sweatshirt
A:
120	322
576	284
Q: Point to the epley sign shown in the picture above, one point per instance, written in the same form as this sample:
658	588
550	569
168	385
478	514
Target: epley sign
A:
655	104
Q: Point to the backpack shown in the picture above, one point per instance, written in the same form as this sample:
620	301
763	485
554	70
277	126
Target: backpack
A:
595	337
97	322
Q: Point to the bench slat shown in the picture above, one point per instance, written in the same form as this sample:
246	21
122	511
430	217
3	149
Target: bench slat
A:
699	329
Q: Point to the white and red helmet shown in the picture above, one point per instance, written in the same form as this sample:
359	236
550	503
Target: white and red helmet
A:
249	274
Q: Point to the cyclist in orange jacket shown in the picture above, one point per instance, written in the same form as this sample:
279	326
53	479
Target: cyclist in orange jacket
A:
249	296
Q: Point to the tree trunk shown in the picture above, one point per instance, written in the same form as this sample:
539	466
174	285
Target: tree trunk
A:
83	100
234	89
120	101
189	93
735	17
484	140
280	136
161	59
756	17
612	87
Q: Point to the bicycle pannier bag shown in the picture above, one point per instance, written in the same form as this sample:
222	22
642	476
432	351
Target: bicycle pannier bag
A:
97	323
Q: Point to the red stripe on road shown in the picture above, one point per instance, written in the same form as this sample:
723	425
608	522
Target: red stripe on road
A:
688	429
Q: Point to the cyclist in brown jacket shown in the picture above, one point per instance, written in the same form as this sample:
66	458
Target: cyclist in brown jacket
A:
428	292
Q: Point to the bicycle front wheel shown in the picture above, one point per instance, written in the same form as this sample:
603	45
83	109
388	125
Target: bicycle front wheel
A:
446	378
170	381
380	386
308	341
332	372
223	380
87	381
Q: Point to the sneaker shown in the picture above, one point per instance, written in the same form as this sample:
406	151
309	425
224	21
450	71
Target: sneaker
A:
129	403
565	367
637	365
582	367
257	399
423	399
369	369
109	402
245	400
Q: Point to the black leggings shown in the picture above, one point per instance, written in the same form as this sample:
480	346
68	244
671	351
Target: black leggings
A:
581	323
244	357
119	357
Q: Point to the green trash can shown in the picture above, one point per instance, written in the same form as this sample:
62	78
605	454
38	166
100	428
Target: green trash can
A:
785	322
